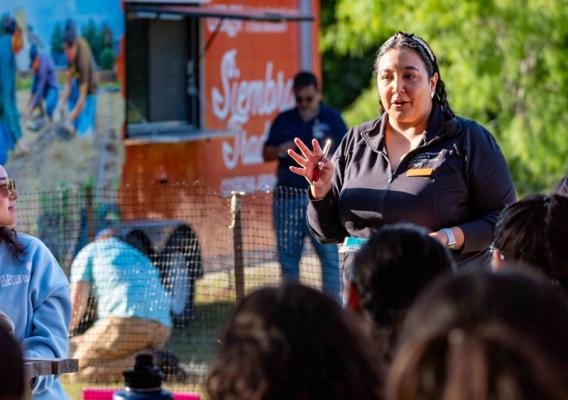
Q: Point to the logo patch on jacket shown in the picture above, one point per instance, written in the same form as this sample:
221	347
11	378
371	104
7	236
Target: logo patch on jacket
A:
7	280
424	164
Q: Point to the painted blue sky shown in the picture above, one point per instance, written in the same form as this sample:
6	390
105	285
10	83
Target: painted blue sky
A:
42	15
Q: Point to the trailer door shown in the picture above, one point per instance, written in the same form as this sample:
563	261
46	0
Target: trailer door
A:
162	63
161	71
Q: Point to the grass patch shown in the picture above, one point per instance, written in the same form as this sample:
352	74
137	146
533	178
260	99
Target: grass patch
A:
195	344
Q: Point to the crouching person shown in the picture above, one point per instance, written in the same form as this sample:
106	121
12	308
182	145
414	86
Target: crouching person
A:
133	308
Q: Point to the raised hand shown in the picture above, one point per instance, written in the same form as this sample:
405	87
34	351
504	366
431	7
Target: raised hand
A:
308	162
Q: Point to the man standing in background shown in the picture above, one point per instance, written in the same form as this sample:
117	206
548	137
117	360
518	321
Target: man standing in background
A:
307	120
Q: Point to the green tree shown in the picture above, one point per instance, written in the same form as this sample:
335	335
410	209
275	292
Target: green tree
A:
106	36
107	59
56	41
93	36
342	77
505	64
106	55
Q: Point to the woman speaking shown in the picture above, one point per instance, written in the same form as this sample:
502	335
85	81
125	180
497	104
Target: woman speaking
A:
418	162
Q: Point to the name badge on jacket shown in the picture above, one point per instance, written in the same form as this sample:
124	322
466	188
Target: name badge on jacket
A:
419	172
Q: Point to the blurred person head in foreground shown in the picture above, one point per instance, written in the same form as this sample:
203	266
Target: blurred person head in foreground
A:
484	335
534	231
11	368
293	342
390	271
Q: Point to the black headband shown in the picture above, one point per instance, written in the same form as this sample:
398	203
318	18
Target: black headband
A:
423	44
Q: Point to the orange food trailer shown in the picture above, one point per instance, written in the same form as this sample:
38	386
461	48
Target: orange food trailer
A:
202	82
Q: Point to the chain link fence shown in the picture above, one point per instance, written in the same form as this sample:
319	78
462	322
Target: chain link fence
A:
205	250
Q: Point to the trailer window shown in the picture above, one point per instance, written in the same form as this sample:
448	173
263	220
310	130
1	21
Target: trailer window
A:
162	75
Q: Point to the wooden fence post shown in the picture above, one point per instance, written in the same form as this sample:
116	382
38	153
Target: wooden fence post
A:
90	213
236	226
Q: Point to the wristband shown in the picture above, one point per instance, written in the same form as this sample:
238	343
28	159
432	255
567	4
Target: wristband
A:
451	238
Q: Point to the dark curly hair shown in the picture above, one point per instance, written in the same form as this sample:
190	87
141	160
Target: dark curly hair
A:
415	43
534	231
292	343
483	335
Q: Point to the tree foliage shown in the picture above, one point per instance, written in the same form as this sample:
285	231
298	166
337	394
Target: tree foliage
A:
505	64
342	77
57	39
101	41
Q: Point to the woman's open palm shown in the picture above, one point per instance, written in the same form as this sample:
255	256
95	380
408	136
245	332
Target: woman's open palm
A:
309	161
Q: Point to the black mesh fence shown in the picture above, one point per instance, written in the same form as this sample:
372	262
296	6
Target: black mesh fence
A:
170	272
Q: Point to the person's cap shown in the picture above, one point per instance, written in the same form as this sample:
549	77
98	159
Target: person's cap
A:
33	54
104	234
9	25
70	33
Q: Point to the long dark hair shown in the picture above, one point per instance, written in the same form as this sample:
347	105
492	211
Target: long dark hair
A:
293	342
9	236
419	46
483	335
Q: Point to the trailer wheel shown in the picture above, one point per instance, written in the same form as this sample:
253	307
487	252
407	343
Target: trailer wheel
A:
180	266
140	241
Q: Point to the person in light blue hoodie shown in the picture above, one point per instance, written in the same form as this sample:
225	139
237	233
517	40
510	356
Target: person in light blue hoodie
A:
34	293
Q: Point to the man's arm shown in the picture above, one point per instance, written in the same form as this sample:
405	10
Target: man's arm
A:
79	297
40	84
67	90
271	153
274	148
32	99
80	103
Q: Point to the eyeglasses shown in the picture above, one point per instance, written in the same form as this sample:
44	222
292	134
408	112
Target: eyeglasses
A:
307	99
8	189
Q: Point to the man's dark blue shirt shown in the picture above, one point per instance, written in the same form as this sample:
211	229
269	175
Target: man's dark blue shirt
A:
288	125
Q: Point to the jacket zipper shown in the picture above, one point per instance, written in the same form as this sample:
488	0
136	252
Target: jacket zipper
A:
394	174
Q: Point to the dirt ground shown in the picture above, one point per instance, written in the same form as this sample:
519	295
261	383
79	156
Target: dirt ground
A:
57	159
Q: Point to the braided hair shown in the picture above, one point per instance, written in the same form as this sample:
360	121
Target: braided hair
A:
419	46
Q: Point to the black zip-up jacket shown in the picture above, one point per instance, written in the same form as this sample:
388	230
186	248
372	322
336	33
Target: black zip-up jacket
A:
457	176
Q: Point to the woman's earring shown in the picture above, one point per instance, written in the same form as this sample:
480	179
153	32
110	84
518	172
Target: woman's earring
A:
432	94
